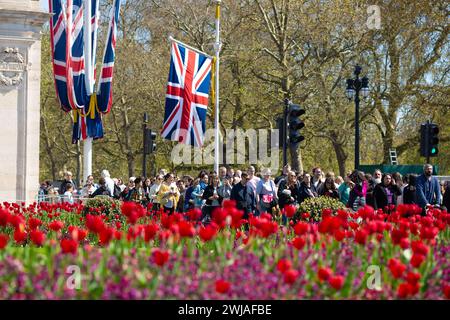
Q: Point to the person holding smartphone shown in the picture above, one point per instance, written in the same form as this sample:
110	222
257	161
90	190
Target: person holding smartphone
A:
168	194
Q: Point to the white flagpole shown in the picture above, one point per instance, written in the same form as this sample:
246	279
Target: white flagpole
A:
217	46
189	47
87	144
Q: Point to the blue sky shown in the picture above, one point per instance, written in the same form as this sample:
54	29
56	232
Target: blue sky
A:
44	4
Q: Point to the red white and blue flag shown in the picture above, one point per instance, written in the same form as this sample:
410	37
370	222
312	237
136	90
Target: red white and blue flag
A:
104	94
187	96
76	78
73	34
58	49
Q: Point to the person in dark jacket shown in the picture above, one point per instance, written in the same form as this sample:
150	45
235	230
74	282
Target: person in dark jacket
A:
102	190
212	197
409	192
446	200
385	194
67	179
428	190
358	192
243	195
329	189
288	192
305	190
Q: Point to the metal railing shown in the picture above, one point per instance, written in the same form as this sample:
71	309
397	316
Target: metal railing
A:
59	198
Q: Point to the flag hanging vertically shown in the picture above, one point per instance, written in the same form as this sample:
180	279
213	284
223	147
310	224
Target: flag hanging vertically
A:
104	94
187	95
76	86
58	49
73	34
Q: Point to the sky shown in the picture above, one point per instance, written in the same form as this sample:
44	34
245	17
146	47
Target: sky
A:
44	4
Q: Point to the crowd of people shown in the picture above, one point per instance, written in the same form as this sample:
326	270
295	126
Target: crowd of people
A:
259	192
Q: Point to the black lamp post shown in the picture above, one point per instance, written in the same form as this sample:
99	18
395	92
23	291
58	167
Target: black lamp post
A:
354	86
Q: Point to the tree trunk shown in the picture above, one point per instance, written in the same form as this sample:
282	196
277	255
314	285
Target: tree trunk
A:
341	157
388	142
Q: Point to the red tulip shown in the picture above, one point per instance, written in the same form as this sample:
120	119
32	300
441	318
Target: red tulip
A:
3	240
446	291
150	231
56	225
38	237
34	223
94	223
219	215
186	229
160	257
283	265
404	243
324	274
290	211
69	246
418	247
117	235
305	215
301	228
404	290
4	217
336	282
20	235
361	236
290	276
207	233
339	235
194	214
105	236
397	268
417	260
298	243
413	277
222	286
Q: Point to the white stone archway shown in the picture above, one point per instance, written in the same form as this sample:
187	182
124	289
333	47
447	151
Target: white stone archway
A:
21	22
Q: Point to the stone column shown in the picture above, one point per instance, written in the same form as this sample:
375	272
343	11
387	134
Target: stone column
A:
21	22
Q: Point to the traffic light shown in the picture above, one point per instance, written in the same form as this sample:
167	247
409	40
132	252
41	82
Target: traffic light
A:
434	139
429	140
295	124
149	141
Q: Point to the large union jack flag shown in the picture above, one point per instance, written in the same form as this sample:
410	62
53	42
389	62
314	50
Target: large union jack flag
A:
104	95
187	96
73	34
58	49
76	77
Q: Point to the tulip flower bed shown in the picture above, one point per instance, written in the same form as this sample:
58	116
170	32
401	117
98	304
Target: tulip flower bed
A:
62	251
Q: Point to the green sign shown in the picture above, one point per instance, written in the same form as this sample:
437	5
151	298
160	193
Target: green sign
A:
403	170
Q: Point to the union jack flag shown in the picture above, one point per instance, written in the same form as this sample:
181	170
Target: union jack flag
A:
104	94
73	35
76	86
58	49
187	96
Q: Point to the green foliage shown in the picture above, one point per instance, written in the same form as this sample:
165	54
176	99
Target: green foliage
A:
106	205
315	206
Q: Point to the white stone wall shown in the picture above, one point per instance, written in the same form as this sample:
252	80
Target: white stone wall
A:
20	60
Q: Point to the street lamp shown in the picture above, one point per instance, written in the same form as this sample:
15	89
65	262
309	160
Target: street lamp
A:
354	86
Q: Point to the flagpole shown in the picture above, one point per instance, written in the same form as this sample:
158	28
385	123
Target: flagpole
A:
87	144
189	47
217	46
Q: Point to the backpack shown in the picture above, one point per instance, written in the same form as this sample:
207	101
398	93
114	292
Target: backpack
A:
117	192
